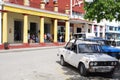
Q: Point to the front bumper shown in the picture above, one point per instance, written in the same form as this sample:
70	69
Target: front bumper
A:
101	69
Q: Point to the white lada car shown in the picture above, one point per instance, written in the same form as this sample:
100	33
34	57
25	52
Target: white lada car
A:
87	57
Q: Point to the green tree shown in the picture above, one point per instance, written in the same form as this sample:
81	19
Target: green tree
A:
102	9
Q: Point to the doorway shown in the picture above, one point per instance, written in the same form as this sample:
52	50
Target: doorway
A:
79	30
46	28
18	31
33	32
33	28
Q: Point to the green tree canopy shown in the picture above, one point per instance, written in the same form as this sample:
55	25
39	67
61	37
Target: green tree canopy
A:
102	9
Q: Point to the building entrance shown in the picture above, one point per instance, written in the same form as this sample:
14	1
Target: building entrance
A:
47	33
18	31
79	30
33	28
47	28
33	32
61	34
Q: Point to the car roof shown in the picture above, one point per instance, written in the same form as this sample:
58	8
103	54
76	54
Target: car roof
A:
79	41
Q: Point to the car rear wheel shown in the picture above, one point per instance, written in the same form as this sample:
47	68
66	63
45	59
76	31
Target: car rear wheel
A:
62	62
82	70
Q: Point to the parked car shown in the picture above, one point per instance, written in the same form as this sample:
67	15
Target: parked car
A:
87	57
115	43
107	46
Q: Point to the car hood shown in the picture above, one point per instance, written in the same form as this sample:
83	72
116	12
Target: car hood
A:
99	57
110	49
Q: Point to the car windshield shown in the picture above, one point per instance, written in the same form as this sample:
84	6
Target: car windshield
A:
89	48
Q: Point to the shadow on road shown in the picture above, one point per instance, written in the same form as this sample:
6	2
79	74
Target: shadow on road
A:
74	75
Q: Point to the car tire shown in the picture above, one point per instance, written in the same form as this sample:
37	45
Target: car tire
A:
62	62
82	70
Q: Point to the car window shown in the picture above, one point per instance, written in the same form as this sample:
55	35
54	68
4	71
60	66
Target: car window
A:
81	48
74	48
69	45
89	48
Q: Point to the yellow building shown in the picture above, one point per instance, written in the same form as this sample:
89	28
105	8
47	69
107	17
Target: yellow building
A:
21	21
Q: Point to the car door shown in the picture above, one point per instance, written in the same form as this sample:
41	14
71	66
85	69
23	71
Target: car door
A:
72	56
67	52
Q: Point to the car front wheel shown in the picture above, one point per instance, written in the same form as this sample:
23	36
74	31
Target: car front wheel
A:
62	62
82	70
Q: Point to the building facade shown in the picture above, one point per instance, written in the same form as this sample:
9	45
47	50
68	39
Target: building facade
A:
30	21
112	30
79	24
23	17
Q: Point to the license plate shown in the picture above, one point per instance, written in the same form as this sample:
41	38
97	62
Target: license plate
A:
103	70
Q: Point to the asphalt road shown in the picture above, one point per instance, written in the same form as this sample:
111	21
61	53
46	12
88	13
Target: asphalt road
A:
41	64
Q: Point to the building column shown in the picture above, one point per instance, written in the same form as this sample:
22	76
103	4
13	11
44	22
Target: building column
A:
0	25
98	31
92	28
4	30
103	32
56	6
67	10
25	29
67	28
42	4
41	29
86	28
55	30
26	2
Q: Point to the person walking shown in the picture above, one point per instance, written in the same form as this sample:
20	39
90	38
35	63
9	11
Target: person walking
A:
60	38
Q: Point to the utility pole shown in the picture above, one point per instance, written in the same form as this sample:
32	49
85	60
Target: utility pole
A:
70	8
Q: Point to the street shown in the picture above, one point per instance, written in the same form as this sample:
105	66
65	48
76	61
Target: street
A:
41	64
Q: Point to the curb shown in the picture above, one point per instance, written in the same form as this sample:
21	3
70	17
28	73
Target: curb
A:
28	49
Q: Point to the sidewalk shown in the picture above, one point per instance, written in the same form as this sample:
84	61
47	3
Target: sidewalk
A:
28	49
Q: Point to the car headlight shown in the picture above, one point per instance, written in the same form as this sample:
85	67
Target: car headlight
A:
93	63
113	63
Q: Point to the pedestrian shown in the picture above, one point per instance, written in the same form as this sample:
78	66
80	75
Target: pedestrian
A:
36	39
60	38
45	37
28	38
33	38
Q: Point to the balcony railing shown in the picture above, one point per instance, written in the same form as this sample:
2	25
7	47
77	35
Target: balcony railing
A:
34	5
